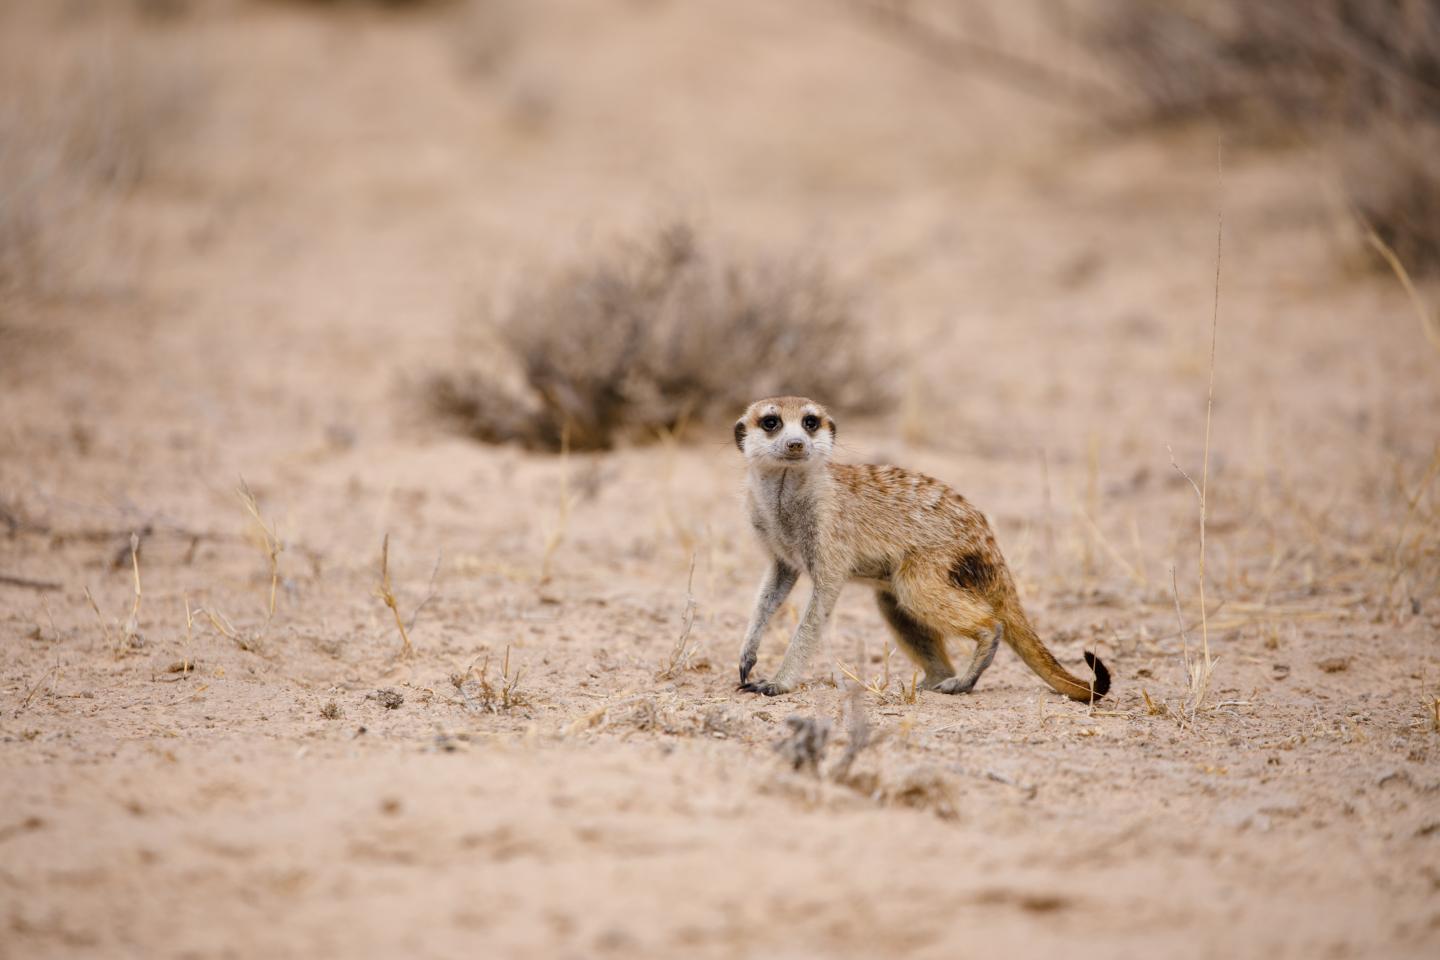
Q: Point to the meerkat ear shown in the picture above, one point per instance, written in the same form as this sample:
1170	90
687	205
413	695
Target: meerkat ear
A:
740	435
832	430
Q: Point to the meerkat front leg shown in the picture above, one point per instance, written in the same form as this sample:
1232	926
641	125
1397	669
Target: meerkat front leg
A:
776	586
806	640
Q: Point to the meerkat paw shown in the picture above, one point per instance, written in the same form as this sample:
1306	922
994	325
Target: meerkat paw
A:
955	685
768	688
747	663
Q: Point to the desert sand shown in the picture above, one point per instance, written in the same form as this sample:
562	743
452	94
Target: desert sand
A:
348	188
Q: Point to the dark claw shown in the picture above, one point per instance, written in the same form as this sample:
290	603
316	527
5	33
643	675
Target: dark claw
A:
745	669
768	688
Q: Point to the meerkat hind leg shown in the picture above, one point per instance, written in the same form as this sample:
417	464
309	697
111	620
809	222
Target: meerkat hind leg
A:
921	644
956	610
985	646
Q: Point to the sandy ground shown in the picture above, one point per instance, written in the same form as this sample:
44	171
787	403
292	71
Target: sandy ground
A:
349	186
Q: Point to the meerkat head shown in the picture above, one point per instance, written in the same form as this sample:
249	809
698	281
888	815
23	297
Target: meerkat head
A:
783	432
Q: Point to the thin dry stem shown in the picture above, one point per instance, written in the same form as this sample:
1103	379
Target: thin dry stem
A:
386	594
556	534
1130	569
189	634
53	674
270	541
682	653
1429	322
492	699
1412	504
1199	673
1209	410
100	617
429	594
878	685
131	632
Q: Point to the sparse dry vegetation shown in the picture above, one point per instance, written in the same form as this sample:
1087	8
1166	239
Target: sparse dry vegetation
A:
803	749
682	653
268	539
1359	77
387	595
482	695
561	765
656	334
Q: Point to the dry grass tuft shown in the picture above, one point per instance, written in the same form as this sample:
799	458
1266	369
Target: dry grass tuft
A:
223	626
556	530
130	632
270	544
1359	76
682	654
482	695
878	686
1200	670
804	747
922	788
388	697
122	637
666	713
656	334
803	750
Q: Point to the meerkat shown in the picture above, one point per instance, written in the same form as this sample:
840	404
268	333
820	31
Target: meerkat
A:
929	554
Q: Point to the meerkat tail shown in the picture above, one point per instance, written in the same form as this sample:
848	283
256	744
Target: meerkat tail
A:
1022	639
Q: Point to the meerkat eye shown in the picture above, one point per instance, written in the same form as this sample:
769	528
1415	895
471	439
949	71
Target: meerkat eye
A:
770	424
811	422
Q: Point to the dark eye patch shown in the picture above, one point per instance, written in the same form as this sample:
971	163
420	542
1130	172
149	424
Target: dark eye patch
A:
770	424
811	422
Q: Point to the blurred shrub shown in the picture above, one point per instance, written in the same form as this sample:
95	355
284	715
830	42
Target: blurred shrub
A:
1360	75
80	126
382	4
654	335
37	202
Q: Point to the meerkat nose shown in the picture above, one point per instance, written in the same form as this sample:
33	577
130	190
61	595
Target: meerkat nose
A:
795	446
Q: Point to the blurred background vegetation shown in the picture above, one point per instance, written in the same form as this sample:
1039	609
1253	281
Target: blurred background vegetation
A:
629	341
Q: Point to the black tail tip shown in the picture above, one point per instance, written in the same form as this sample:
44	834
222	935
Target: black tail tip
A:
1102	674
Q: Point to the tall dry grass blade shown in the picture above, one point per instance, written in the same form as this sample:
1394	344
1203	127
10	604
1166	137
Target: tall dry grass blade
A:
130	634
682	653
1200	686
386	594
555	536
1199	672
1397	566
1429	320
270	543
